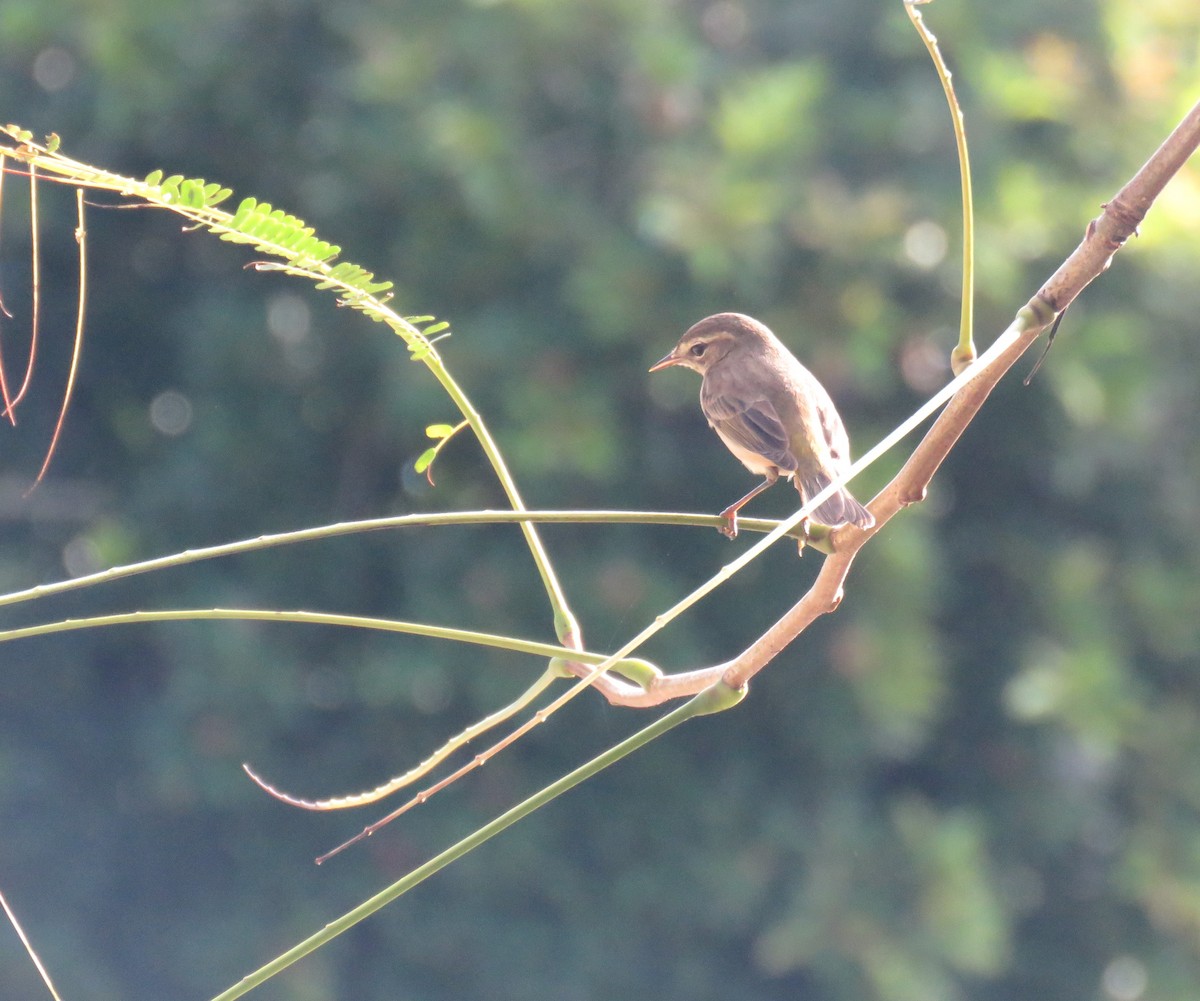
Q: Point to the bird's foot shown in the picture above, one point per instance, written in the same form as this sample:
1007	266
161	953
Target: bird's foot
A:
729	525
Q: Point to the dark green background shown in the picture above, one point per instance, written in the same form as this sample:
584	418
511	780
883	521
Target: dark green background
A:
979	780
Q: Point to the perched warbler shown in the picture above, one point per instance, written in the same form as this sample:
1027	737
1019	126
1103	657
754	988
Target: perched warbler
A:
771	412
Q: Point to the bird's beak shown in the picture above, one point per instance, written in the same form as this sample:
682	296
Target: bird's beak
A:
666	361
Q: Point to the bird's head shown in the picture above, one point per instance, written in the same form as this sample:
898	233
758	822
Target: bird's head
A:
707	342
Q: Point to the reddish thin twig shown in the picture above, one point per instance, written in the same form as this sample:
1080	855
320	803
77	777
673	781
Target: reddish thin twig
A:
81	239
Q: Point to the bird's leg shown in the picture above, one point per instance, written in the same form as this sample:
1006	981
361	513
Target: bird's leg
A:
804	536
729	516
805	522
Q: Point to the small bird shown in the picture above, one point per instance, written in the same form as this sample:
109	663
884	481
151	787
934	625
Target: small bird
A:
771	412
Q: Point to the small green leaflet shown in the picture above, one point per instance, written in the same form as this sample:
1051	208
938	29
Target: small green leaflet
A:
441	433
424	461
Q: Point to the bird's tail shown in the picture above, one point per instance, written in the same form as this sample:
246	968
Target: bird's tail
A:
839	509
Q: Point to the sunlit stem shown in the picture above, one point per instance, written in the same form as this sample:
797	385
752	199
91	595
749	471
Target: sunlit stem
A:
965	351
715	699
33	956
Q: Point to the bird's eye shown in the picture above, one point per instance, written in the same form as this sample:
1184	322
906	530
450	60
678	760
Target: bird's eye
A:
697	350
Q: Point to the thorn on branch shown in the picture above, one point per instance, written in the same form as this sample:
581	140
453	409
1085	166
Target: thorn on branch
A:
1045	351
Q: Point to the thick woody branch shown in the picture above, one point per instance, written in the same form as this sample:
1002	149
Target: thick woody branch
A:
1121	217
908	487
1103	238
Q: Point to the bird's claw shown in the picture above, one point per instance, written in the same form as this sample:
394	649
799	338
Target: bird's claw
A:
729	525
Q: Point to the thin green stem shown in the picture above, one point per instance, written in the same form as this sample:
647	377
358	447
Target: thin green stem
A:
637	671
965	352
715	699
378	524
35	279
566	627
5	396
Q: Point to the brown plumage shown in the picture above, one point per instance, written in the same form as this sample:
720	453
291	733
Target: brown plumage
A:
770	411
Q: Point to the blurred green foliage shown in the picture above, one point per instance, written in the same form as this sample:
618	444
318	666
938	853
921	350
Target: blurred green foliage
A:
977	780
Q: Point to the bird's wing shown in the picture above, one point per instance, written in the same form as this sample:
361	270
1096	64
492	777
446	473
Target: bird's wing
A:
754	425
835	433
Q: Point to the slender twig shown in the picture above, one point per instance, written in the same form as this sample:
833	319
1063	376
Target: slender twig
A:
648	687
1121	217
478	761
566	626
639	673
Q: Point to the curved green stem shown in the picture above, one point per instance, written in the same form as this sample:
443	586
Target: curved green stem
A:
714	699
638	671
423	768
566	627
964	353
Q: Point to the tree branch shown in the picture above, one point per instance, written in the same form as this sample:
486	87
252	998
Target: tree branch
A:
1104	236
